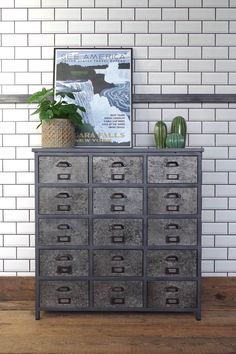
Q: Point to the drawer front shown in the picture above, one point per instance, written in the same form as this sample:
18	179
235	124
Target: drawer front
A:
172	263
172	232
63	169
63	201
115	263
118	294
172	200
118	169
173	294
172	169
117	232
63	263
64	294
118	201
63	232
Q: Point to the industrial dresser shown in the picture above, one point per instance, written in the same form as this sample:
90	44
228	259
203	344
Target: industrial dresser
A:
118	230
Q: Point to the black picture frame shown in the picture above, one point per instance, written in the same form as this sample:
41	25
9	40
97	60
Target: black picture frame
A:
101	81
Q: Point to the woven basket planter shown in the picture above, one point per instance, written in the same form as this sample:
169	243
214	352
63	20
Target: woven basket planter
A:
59	133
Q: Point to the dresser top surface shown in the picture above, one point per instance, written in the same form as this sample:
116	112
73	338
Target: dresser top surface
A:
96	150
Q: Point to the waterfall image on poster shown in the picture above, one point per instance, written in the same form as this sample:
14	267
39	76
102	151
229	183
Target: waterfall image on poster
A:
100	80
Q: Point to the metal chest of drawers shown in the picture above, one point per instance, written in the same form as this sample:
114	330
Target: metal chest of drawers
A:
118	230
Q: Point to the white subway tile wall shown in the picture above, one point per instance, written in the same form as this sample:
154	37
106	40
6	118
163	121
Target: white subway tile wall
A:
180	46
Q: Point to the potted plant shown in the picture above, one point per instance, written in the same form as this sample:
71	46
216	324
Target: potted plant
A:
57	117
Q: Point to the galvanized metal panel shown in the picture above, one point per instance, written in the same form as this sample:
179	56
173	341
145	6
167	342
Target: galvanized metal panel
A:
118	294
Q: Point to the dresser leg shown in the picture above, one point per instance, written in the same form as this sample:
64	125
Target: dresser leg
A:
37	315
198	315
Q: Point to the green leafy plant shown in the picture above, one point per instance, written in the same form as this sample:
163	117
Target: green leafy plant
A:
49	108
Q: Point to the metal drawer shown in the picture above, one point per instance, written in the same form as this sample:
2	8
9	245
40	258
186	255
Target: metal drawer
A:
117	232
118	169
118	201
118	294
63	263
115	263
171	263
172	232
172	169
63	232
53	200
171	295
64	294
63	169
172	200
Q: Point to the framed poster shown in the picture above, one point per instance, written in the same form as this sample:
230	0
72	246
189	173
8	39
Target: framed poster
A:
101	81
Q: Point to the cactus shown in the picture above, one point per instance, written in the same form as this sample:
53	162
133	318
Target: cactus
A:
160	133
175	140
179	126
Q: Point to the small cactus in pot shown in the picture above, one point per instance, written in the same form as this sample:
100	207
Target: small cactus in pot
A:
175	140
179	126
160	134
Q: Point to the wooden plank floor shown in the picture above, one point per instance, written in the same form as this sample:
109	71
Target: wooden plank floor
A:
116	333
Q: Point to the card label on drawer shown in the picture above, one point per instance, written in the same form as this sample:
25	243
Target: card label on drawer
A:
117	301
64	269
117	176
63	176
63	207
172	239
172	207
118	269
62	239
172	176
117	207
118	239
64	301
170	270
171	301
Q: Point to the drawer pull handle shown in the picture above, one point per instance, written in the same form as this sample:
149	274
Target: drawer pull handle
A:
61	207
63	176
117	301
117	177
63	195
118	269
64	300
118	289
172	208
63	227
64	258
64	270
172	259
170	270
64	289
118	196
173	196
172	226
117	227
117	239
118	164
117	258
172	176
170	301
171	289
172	239
63	164
61	239
117	207
172	164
